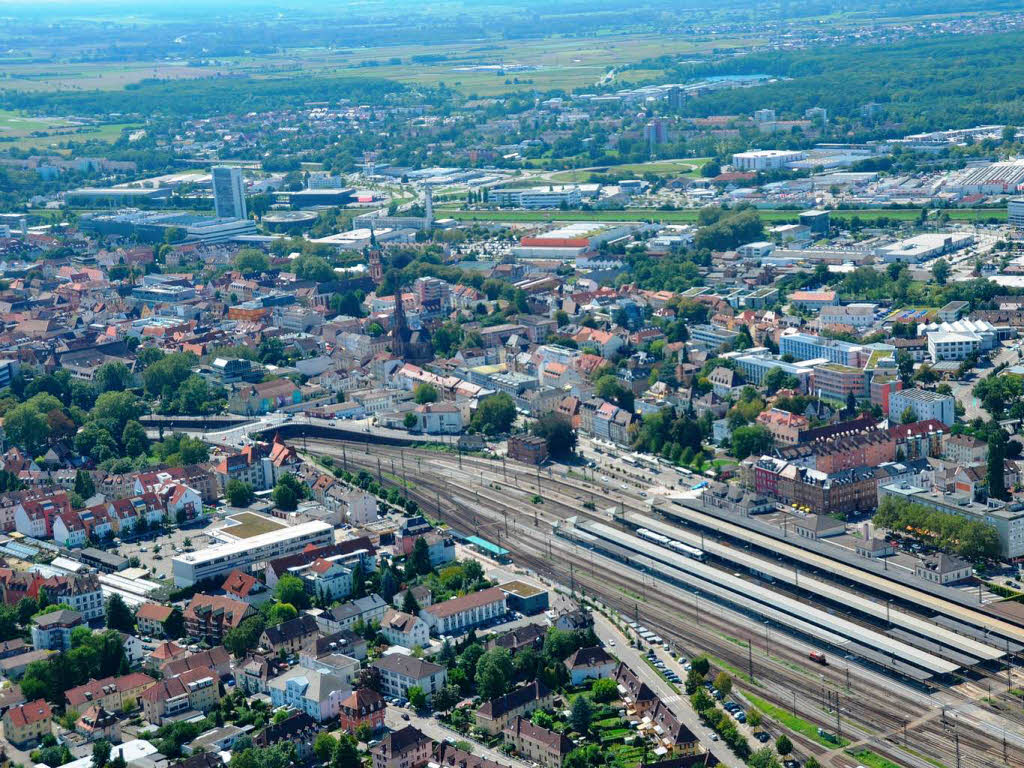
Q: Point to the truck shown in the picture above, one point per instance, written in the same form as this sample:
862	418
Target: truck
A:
818	658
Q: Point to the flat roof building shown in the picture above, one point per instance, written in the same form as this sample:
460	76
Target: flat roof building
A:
219	560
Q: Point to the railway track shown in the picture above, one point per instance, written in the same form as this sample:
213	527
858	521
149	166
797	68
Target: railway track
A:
504	489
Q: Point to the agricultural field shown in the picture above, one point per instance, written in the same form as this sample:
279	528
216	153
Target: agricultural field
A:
25	132
480	67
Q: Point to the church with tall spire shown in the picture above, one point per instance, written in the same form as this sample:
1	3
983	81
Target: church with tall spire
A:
406	344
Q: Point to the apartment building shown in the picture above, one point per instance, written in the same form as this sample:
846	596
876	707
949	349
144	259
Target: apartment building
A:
210	617
399	673
539	745
925	405
805	346
462	613
493	716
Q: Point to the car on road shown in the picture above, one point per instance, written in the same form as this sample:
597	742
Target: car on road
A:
714	736
763	736
405	715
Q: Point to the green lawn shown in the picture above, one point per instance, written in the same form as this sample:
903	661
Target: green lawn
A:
17	129
871	760
689	166
794	723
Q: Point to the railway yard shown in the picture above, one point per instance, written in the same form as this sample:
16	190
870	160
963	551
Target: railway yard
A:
911	676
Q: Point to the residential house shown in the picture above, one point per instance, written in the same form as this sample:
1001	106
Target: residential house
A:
493	716
246	588
398	673
298	729
318	694
405	629
965	450
52	631
151	619
364	706
292	637
590	663
345	616
539	745
636	694
405	748
216	658
26	724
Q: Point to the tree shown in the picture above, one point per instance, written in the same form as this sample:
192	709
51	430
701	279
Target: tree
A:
754	439
250	261
851	402
279	613
783	745
763	758
117	408
425	393
723	683
557	432
494	673
997	443
290	589
240	640
119	615
134	439
323	746
905	366
174	627
754	718
314	268
346	753
27	427
84	485
417	698
446	698
940	271
113	377
908	416
581	714
701	664
239	493
409	604
9	628
495	414
421	557
411	420
284	496
604	690
100	753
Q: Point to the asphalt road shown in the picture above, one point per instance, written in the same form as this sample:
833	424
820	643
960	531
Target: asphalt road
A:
608	633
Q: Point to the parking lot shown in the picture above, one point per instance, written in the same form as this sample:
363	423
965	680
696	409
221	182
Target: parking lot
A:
155	552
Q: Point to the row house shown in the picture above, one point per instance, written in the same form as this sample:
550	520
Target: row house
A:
111	693
35	516
119	517
194	691
360	547
10	501
81	592
197	477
